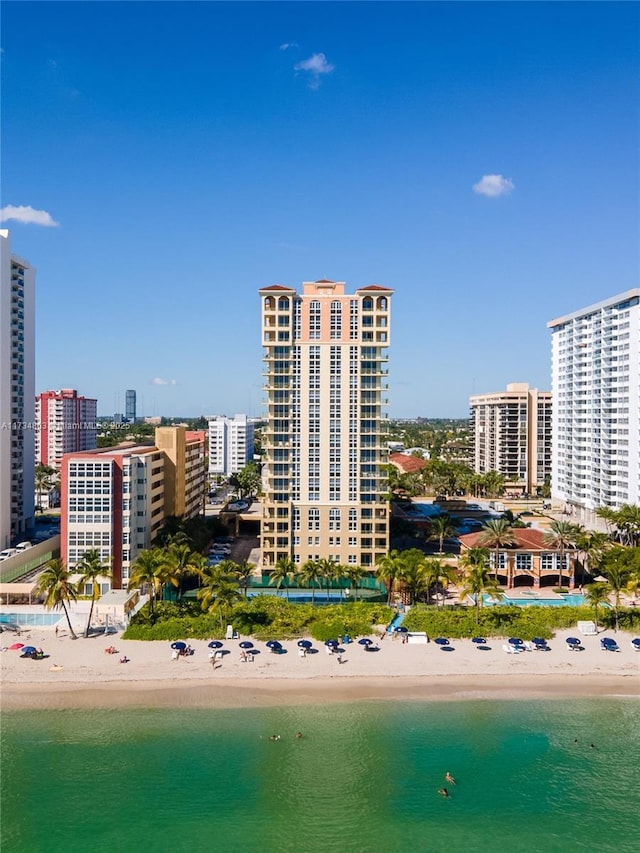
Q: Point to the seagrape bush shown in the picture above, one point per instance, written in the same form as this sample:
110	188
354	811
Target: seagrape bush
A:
264	617
524	622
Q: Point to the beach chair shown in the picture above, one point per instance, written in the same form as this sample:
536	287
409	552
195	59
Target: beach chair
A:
509	649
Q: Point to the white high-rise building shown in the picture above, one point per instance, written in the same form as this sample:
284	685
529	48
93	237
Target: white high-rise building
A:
512	435
324	444
230	444
17	390
66	424
595	368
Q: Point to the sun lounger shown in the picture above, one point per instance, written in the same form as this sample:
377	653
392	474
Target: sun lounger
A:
609	645
511	650
635	644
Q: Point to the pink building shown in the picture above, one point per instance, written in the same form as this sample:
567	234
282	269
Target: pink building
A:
66	423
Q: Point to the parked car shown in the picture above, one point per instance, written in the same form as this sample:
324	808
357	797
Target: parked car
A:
22	546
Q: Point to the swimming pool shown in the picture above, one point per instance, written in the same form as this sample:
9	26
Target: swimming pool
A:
537	599
31	620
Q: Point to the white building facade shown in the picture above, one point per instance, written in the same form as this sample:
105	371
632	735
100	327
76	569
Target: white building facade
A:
595	364
66	424
17	390
324	444
231	444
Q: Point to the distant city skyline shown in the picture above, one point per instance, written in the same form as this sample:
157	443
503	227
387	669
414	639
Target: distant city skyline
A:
480	159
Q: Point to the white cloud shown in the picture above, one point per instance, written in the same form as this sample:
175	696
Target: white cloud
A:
288	45
27	215
494	185
315	67
159	381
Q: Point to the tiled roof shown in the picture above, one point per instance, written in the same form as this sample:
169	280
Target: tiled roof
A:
376	287
407	464
276	287
324	281
527	538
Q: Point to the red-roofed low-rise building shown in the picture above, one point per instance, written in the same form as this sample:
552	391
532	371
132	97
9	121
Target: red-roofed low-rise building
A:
528	562
406	463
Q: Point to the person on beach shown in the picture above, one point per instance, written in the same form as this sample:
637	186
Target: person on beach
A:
449	778
443	792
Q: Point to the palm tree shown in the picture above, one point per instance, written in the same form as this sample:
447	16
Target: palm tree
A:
310	575
219	590
593	547
416	580
439	574
179	563
282	572
55	584
561	535
617	576
43	480
327	569
147	571
597	594
91	568
477	582
440	528
355	575
497	534
389	569
244	570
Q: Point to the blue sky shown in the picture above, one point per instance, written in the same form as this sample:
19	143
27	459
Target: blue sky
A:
192	153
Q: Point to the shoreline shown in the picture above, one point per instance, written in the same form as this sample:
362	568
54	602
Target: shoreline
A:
229	693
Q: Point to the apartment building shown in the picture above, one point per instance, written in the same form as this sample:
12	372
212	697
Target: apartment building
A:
512	435
17	391
324	443
231	444
595	368
115	499
66	423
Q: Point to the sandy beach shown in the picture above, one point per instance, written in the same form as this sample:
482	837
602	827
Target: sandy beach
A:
79	674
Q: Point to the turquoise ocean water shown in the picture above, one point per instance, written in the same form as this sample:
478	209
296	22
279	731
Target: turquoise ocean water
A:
364	777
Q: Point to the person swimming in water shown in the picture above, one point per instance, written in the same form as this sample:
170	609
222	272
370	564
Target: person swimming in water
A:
298	734
443	792
449	778
274	737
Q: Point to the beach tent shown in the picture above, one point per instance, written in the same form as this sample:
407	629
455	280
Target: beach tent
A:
587	628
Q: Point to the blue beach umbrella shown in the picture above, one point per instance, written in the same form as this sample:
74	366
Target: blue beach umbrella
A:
274	644
305	644
516	641
539	641
572	641
365	641
441	641
179	645
246	644
215	644
480	640
333	643
29	650
636	642
402	630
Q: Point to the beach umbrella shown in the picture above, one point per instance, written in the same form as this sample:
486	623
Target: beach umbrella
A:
441	641
479	640
28	650
636	642
245	644
274	644
402	630
331	643
365	641
179	645
607	641
15	646
539	641
215	644
516	641
305	644
572	641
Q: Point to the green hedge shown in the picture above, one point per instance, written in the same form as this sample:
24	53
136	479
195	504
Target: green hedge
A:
263	617
525	622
